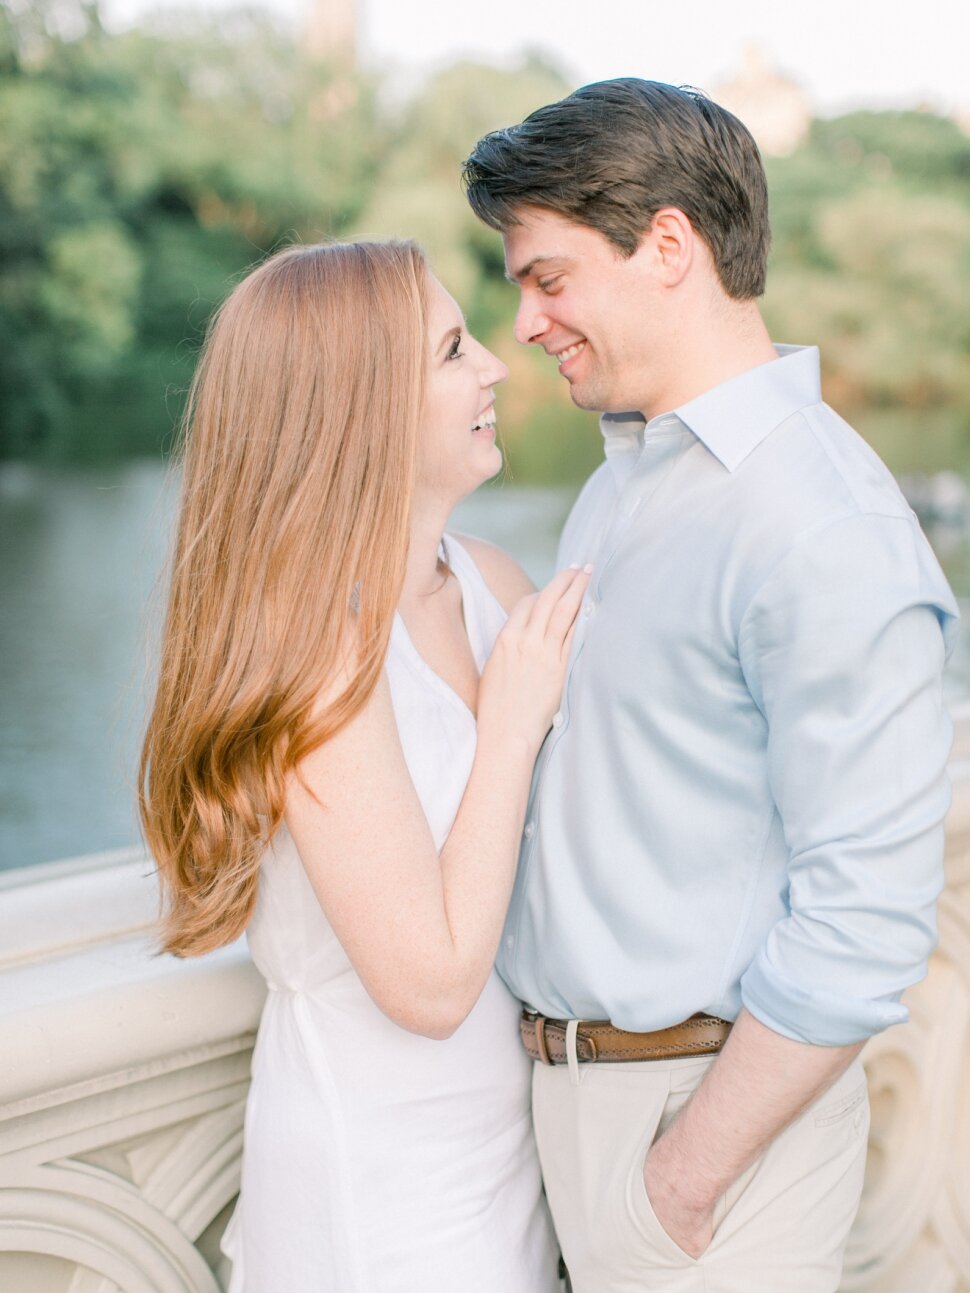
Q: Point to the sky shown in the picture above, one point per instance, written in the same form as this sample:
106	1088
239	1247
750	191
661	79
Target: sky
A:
845	54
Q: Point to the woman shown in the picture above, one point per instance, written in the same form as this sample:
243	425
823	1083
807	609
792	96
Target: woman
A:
312	769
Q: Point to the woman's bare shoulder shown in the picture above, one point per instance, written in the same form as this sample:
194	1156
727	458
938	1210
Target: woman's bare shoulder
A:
503	574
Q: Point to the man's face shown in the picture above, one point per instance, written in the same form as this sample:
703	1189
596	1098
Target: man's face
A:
594	311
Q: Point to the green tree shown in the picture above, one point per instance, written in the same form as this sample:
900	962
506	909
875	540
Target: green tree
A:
871	260
139	174
142	173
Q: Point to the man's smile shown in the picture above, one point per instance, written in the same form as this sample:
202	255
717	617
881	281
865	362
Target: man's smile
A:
564	356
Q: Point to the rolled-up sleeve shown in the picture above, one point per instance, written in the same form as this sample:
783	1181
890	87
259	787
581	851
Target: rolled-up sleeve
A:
842	648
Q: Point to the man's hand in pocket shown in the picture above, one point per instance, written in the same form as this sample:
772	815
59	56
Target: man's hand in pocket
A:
688	1223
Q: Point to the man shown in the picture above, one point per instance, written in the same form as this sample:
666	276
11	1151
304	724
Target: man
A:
734	840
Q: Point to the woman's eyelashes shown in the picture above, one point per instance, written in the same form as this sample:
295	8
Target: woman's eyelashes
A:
454	350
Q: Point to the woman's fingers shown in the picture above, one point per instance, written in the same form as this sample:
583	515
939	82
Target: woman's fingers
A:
567	644
564	613
523	677
521	612
560	598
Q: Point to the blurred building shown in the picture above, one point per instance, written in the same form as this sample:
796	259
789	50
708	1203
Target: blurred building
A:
774	108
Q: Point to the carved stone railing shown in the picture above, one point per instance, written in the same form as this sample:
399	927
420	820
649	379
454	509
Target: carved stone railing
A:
123	1078
912	1234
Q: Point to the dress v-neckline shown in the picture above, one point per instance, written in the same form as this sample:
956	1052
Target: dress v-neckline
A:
432	675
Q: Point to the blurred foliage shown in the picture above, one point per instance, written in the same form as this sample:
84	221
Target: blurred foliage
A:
141	173
871	259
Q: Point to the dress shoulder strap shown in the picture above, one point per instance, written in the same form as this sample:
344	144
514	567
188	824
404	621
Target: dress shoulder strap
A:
484	613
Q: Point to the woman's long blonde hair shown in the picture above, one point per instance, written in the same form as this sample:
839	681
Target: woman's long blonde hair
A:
298	462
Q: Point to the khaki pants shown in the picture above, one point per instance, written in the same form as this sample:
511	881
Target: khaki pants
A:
781	1228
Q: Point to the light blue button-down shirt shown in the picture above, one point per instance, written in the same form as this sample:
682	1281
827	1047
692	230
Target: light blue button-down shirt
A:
741	799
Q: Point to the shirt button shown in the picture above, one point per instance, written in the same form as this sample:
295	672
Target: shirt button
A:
557	720
588	609
509	942
530	830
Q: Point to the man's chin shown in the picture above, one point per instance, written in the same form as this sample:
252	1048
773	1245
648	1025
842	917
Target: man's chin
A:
600	401
583	397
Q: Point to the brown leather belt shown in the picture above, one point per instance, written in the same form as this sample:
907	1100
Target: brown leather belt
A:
598	1042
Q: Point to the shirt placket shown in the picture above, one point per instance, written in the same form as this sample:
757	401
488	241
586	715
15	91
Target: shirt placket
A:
654	463
657	459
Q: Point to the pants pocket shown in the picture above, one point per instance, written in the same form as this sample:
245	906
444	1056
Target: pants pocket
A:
638	1205
842	1107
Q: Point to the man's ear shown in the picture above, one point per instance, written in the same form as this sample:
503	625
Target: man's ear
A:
673	242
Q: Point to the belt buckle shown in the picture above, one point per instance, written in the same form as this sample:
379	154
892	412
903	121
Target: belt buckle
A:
538	1023
539	1027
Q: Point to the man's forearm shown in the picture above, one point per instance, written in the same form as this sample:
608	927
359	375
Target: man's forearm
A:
759	1083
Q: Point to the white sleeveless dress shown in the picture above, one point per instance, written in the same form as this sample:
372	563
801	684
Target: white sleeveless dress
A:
374	1160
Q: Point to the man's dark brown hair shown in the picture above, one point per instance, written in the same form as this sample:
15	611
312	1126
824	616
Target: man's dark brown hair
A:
612	154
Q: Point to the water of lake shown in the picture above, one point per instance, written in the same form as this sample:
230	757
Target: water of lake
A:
82	551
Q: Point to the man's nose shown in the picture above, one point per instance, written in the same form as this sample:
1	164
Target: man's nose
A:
530	322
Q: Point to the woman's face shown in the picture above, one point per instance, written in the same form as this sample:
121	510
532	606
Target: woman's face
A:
456	437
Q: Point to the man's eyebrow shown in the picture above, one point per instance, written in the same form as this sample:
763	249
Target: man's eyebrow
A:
516	276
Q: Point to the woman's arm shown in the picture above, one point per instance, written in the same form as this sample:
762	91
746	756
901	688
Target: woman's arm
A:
421	929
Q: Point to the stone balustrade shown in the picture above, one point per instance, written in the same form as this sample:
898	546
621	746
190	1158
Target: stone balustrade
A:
912	1234
123	1078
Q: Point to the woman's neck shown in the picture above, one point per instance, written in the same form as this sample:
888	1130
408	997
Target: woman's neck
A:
424	575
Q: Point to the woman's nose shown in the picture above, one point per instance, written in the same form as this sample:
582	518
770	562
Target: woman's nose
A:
491	370
494	371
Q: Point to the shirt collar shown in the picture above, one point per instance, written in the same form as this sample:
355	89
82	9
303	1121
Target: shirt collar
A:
733	418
